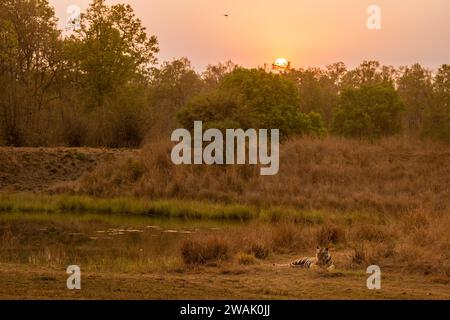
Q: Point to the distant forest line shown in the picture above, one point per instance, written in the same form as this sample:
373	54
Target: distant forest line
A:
101	85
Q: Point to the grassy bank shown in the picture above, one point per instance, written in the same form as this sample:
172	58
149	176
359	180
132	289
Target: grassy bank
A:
416	242
30	202
118	241
331	174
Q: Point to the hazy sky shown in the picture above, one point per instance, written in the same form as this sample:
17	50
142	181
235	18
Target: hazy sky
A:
306	32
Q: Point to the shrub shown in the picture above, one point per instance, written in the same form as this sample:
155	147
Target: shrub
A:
245	259
370	232
259	250
252	99
330	234
196	251
284	237
372	111
358	257
135	168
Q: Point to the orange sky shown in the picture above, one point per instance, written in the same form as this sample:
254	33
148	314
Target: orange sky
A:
306	32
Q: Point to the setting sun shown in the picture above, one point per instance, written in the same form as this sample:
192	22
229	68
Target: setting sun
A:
281	64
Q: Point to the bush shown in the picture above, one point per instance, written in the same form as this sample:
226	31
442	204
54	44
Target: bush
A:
195	251
330	234
259	251
370	232
245	259
285	237
136	169
359	256
437	122
252	99
372	111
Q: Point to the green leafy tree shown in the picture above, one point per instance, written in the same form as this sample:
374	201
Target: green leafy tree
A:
252	99
372	111
318	92
336	72
416	91
437	117
369	72
109	60
110	49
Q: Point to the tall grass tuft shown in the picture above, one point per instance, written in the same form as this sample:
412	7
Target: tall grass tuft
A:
204	250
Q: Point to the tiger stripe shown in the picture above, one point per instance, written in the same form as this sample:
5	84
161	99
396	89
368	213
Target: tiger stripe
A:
322	259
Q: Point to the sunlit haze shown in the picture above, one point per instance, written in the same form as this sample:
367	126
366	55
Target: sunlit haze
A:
306	32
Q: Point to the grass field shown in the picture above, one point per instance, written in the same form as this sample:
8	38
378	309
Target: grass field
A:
390	176
249	282
142	257
140	228
170	208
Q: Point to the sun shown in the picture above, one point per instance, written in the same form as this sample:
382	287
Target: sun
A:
281	64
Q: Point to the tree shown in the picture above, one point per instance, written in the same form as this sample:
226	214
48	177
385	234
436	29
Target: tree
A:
109	58
112	49
252	99
437	116
29	63
369	72
215	73
318	92
416	91
336	72
372	111
171	87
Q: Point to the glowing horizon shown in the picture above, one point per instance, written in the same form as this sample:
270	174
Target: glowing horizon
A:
307	32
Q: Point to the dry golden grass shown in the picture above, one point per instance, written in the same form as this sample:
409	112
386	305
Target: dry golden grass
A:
204	250
415	243
413	246
385	203
394	175
248	282
397	242
246	259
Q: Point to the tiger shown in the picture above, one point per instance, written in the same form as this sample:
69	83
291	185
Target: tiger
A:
322	260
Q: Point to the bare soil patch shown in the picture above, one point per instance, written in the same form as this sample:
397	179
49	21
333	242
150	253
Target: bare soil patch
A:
39	169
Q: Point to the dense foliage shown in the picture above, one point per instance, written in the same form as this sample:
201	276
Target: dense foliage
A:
371	111
100	85
252	99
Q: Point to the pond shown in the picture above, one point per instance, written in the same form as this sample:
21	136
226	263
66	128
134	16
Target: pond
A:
99	240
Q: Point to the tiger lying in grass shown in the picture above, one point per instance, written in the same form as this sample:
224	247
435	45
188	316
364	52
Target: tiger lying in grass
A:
322	260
